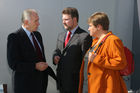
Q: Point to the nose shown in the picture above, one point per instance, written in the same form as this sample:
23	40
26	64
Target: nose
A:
63	21
88	28
38	23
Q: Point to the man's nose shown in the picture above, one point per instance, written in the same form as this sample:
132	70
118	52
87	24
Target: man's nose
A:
63	21
38	23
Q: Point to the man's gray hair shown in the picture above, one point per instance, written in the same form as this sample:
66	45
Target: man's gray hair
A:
26	14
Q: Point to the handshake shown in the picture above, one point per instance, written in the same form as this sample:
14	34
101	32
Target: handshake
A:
43	66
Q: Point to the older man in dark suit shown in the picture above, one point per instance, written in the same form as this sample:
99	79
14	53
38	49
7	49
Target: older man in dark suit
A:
71	48
25	53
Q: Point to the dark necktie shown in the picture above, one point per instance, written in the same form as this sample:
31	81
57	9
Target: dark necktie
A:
39	53
67	38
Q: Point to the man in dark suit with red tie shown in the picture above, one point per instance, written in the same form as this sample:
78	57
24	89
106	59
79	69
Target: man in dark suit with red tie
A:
25	54
71	48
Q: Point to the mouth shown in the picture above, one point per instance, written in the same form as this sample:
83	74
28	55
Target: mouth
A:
65	25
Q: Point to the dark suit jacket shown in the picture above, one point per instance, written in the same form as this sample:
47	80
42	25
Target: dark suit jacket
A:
22	58
71	59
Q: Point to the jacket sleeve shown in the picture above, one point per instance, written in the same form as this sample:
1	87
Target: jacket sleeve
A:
86	44
15	57
57	51
112	56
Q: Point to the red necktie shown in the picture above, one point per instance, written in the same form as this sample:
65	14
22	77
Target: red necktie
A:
67	38
39	53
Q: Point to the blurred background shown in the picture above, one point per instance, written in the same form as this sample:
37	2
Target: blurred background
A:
124	22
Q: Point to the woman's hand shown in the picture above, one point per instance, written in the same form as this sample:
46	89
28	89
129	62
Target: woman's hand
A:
91	56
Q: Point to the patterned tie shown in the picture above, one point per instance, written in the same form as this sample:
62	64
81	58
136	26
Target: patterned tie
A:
68	38
39	53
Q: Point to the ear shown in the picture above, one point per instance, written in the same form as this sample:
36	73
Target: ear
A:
99	27
26	22
75	19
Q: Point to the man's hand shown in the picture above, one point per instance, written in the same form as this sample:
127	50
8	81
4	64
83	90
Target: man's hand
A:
41	66
56	59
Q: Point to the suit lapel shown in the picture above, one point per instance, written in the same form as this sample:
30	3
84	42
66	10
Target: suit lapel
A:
73	38
40	42
26	40
63	36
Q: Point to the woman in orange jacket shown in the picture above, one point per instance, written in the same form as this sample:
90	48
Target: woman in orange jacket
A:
105	60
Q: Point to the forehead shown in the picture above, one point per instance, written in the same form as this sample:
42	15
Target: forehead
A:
90	24
34	16
66	16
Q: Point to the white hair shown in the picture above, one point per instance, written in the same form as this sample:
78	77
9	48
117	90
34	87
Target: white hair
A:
26	14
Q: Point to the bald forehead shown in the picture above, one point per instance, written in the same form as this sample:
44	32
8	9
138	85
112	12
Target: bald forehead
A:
34	14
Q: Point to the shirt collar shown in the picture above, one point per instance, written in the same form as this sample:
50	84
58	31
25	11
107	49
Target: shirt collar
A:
27	31
72	31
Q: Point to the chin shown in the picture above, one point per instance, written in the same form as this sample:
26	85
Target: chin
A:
90	34
65	27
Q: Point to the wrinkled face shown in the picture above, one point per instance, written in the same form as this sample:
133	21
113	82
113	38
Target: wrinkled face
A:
34	22
68	22
93	30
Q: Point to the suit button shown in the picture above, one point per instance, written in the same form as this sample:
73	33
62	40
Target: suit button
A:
89	73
